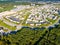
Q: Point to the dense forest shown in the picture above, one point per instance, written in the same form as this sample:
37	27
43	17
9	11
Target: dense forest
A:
27	36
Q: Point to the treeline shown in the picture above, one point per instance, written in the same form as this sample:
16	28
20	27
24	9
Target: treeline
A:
27	36
6	6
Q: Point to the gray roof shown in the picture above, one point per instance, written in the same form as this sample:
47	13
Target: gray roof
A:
14	19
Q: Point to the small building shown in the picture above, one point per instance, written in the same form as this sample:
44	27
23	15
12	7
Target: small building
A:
38	24
32	24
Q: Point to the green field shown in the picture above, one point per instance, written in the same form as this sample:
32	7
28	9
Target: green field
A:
6	7
7	26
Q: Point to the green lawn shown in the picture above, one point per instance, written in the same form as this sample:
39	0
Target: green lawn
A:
52	21
6	7
7	26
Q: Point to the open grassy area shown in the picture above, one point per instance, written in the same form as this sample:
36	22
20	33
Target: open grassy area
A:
52	21
6	7
7	26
